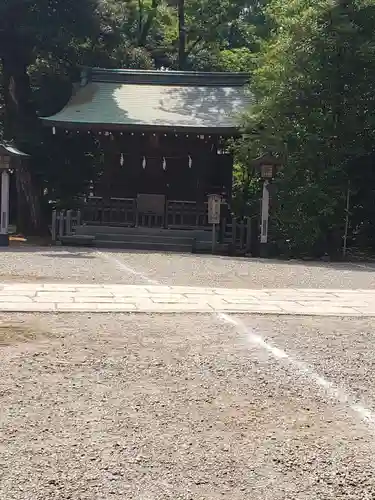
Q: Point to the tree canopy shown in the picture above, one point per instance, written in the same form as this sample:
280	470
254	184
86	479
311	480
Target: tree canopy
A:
314	105
312	77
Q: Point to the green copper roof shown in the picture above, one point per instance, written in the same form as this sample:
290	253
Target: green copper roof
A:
158	99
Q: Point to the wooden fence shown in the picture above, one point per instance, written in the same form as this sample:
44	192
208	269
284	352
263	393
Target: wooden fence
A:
185	214
113	212
176	214
64	222
240	234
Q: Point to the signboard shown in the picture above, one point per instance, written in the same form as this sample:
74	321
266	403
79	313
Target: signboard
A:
151	204
214	203
266	171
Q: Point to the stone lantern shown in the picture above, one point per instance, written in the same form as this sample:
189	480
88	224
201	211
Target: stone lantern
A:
9	158
267	165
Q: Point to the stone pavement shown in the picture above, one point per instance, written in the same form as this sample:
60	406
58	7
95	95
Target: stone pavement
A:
62	298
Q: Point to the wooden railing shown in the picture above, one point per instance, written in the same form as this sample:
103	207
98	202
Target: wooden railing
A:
150	220
241	234
188	214
115	211
173	214
64	223
150	210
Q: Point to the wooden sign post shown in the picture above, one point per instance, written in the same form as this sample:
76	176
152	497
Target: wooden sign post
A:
214	205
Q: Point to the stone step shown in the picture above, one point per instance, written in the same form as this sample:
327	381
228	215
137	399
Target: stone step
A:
78	240
150	238
201	234
144	245
205	247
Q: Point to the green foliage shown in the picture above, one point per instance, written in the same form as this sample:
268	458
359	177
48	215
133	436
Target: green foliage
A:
314	88
313	76
240	59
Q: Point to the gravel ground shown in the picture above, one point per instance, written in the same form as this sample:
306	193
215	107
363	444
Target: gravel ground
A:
341	350
181	407
239	272
88	266
48	265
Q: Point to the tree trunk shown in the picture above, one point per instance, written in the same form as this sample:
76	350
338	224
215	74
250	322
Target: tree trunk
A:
146	27
181	35
21	126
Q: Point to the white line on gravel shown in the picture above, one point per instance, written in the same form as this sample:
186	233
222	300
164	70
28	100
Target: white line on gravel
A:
363	266
331	389
125	268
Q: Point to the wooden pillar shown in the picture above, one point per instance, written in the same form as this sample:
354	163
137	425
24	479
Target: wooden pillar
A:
4	236
264	220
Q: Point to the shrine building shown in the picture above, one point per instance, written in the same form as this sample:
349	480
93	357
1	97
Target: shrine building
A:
164	137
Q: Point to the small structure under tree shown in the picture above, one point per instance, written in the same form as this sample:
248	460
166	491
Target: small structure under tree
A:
161	143
267	166
10	159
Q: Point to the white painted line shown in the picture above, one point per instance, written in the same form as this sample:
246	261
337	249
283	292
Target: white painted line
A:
121	265
331	389
363	266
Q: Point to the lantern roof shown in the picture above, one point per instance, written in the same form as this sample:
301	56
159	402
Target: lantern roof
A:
266	159
7	149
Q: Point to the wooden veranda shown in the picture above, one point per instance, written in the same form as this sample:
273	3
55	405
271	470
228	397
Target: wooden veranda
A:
147	211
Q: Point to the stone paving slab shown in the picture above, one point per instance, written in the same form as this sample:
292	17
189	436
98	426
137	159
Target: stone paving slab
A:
20	297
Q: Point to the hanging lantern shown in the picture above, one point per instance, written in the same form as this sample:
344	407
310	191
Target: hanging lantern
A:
164	163
53	130
122	160
190	162
144	162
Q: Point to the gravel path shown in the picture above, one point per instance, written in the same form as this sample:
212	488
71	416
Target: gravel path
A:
339	350
56	264
216	271
149	407
184	407
88	266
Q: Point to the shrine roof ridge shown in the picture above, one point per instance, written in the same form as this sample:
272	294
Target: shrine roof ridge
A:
165	77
